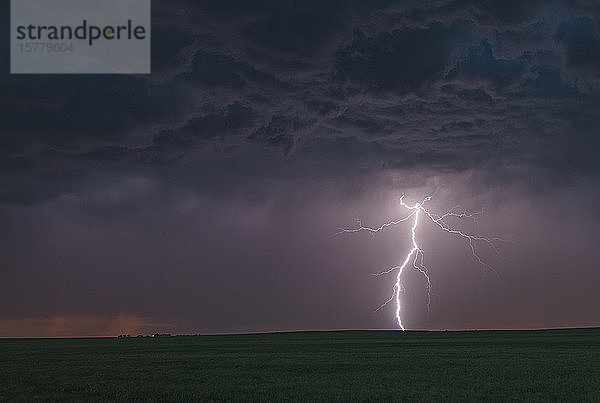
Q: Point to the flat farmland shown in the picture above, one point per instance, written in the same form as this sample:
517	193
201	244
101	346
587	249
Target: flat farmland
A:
550	365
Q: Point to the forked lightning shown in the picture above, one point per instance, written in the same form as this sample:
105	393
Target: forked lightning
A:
415	254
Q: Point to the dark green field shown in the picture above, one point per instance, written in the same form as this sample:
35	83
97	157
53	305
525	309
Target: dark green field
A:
518	365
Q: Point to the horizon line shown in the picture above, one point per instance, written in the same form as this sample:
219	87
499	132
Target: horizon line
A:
590	327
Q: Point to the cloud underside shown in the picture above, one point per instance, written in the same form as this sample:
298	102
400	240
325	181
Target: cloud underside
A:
344	86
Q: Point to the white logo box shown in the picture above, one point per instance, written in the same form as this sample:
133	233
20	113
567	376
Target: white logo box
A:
80	37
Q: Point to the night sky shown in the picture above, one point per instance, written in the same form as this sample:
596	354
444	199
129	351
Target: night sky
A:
202	198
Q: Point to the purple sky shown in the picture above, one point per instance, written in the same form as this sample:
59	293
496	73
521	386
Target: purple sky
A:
201	198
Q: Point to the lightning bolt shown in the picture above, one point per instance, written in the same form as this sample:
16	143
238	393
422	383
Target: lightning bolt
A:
415	255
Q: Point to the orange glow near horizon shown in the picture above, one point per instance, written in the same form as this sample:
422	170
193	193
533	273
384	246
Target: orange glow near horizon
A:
80	326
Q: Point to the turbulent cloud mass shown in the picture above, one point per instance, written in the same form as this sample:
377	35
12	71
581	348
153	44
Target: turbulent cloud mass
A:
201	198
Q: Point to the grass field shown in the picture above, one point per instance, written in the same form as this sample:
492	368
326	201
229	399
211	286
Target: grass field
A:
356	365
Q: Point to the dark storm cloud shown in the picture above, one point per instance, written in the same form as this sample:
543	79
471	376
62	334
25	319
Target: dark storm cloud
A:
582	42
416	85
480	64
234	118
264	117
170	52
450	69
401	60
